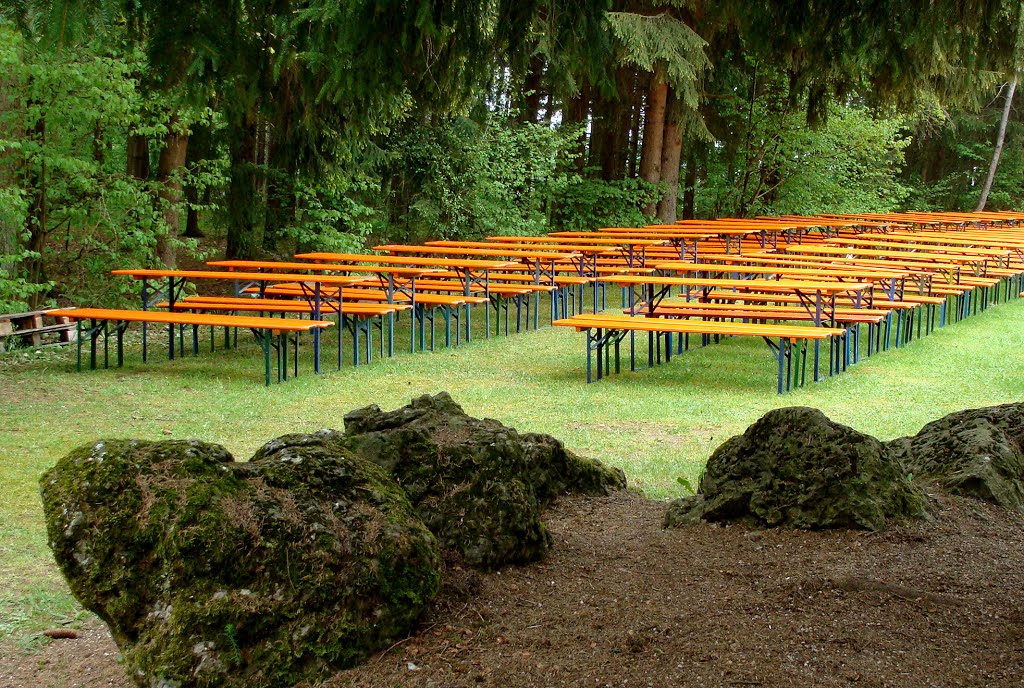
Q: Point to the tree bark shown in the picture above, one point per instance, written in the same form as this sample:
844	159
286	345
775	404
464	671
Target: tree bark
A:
37	217
672	149
168	175
138	156
690	187
10	163
192	230
576	111
245	231
610	142
1000	139
529	110
654	135
636	110
98	153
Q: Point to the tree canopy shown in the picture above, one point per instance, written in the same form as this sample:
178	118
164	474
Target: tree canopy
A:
135	131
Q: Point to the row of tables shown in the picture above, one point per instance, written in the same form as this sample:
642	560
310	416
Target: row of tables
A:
858	261
822	262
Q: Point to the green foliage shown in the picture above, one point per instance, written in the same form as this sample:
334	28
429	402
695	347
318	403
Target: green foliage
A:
894	49
647	40
584	204
771	162
65	128
322	214
459	179
948	161
15	290
852	165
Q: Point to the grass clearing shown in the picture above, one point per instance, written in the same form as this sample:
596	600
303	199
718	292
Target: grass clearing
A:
658	425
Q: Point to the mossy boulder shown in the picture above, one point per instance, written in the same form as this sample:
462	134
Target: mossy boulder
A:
976	453
477	484
216	573
794	467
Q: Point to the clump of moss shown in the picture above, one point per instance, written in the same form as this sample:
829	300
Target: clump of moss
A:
478	485
975	453
215	573
796	468
320	549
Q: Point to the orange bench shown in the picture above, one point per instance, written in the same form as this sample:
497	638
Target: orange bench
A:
264	328
358	318
850	318
606	332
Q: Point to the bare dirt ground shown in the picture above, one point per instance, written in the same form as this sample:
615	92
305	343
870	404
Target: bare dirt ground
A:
622	602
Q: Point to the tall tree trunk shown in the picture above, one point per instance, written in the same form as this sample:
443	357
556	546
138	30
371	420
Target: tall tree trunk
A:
748	146
672	148
192	230
529	108
10	242
168	174
576	111
611	131
245	230
98	153
138	156
600	113
927	156
1000	139
636	110
654	135
277	215
690	186
200	148
38	213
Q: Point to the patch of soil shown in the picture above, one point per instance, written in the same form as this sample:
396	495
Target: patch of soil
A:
620	601
84	662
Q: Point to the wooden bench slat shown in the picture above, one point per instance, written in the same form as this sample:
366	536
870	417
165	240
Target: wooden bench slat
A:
581	322
280	324
283	305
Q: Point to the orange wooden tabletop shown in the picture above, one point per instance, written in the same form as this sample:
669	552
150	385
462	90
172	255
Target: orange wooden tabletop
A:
578	238
816	262
590	321
321	267
147	273
794	271
910	246
517	246
498	250
284	324
461	263
881	253
758	284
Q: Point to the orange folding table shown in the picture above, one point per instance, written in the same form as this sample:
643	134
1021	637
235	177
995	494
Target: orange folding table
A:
312	288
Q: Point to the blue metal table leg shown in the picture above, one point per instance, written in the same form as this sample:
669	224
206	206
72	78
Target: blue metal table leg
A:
781	354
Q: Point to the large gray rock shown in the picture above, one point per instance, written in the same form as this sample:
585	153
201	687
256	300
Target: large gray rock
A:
215	573
477	484
794	467
977	453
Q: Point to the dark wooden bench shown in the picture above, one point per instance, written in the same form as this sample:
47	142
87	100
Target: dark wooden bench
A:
32	327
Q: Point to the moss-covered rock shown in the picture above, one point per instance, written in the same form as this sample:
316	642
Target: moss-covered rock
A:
976	453
215	573
477	484
794	467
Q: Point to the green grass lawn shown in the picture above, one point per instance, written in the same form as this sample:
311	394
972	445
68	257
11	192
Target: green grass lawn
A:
657	425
